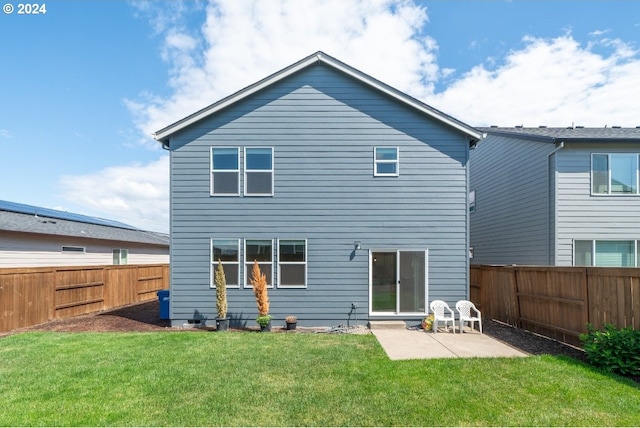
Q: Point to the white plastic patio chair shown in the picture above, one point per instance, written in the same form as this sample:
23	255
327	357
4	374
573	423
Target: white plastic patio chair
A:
438	307
464	308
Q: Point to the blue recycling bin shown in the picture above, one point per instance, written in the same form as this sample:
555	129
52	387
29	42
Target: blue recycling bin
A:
163	299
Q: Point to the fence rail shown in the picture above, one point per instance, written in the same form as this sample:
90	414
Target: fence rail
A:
556	301
30	296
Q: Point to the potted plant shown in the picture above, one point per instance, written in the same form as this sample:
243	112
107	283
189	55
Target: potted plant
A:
222	322
427	323
259	282
292	322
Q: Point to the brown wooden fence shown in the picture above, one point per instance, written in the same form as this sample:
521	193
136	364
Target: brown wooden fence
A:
557	302
30	296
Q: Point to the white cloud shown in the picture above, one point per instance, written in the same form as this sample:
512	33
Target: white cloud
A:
553	82
5	133
243	41
134	194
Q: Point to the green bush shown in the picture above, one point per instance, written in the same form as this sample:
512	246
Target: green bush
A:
615	350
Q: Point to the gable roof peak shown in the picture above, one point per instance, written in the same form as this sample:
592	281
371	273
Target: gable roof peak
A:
164	134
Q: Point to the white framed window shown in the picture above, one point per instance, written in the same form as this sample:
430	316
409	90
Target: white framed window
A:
73	249
614	173
225	171
260	250
386	162
120	256
472	201
292	263
622	253
226	251
258	171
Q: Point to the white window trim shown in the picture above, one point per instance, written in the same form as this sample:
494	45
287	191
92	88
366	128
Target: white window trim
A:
306	250
609	175
376	162
272	171
593	250
426	281
248	264
211	171
214	263
120	258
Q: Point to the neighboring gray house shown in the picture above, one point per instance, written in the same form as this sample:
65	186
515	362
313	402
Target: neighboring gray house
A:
351	195
556	196
35	237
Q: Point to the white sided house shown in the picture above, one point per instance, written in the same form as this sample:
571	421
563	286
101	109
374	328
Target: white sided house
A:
36	237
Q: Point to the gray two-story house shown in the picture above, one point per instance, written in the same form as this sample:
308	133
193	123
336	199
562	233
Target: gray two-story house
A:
556	196
351	196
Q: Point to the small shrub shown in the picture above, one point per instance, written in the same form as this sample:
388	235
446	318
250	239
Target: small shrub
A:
291	319
615	350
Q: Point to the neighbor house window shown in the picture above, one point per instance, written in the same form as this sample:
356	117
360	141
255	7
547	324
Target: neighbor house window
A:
70	249
614	174
260	250
606	253
258	171
120	256
292	263
385	162
225	171
472	201
227	251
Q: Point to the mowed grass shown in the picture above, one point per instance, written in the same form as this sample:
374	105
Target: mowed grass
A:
249	379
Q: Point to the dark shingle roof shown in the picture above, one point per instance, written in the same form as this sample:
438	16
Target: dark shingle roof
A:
30	219
571	134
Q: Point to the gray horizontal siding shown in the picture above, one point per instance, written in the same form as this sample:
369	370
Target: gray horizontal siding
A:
582	216
323	128
511	221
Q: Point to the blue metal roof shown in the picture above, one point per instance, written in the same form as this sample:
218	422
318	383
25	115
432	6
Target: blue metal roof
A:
62	215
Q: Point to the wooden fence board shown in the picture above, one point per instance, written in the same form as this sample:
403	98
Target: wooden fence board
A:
33	296
558	301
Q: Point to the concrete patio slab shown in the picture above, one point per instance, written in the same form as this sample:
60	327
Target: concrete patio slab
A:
418	344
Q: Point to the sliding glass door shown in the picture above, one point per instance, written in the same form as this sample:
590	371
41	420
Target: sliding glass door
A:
398	282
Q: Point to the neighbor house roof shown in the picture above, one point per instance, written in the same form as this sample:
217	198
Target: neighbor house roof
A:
23	218
318	57
576	134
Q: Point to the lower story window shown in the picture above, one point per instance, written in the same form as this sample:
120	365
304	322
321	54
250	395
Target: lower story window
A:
226	251
261	251
292	263
606	253
120	256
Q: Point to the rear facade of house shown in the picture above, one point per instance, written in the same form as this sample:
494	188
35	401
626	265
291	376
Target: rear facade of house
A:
350	195
556	196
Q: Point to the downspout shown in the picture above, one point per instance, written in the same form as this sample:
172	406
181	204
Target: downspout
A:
559	146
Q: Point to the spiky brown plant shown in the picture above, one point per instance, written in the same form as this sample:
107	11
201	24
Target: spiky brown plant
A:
221	291
259	282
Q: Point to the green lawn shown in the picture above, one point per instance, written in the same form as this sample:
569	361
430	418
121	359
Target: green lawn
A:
195	379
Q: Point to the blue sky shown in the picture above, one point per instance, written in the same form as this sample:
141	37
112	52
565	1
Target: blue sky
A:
83	87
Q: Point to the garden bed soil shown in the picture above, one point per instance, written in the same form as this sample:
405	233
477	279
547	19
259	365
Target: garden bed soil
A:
145	317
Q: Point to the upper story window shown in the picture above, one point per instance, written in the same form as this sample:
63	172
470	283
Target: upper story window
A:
227	251
614	174
225	171
385	162
472	201
258	171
